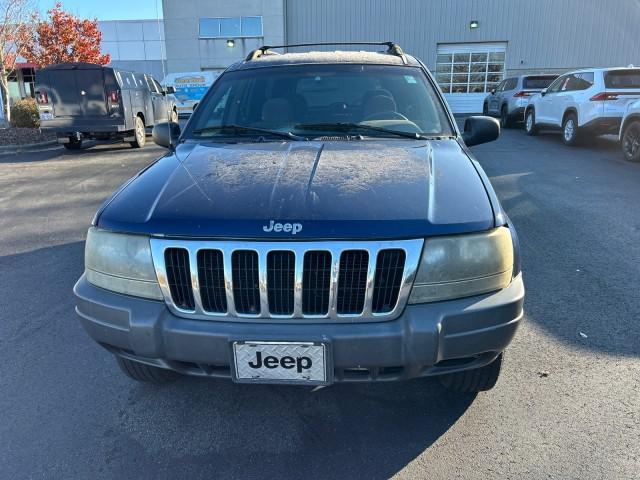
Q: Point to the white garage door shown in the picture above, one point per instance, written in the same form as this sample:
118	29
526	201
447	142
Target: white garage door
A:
467	71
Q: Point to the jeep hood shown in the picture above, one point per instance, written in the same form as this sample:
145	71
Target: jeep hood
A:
335	190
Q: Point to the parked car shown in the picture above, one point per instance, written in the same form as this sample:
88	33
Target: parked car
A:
81	101
189	87
591	101
630	133
320	219
510	98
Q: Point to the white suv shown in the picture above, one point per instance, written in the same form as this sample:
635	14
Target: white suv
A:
589	101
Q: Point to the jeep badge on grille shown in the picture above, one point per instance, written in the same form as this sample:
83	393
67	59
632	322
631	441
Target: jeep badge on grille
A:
273	226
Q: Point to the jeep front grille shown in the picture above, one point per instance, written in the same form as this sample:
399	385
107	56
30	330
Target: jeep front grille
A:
246	288
257	281
316	280
211	280
389	267
177	265
352	281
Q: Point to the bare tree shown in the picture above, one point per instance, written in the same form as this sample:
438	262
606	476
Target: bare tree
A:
16	20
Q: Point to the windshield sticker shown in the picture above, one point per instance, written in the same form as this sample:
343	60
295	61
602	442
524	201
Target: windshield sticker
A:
410	79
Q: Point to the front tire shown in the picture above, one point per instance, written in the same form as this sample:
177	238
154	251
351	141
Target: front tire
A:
174	116
140	134
631	142
530	127
476	380
141	372
73	144
570	130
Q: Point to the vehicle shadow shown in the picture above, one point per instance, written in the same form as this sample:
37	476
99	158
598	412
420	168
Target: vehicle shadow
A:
233	431
570	206
68	395
109	146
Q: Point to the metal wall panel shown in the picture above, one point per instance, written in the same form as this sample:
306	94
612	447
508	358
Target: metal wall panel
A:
541	34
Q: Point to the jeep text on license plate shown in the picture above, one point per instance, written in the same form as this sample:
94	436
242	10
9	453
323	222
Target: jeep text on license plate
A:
264	362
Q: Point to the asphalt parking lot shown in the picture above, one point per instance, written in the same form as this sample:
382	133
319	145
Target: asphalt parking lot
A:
567	404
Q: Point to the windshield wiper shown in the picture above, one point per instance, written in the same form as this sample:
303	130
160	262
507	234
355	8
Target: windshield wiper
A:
342	126
246	128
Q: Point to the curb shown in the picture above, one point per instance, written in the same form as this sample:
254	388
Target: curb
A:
27	147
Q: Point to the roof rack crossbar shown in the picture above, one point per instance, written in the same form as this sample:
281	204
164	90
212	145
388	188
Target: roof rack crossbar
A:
392	48
258	52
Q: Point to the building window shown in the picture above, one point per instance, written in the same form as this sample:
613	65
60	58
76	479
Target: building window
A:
230	27
469	72
29	80
14	87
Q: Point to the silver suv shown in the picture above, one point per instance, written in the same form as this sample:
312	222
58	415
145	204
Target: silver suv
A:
510	99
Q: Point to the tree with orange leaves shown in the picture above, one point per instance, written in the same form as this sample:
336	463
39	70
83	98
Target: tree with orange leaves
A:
16	21
64	37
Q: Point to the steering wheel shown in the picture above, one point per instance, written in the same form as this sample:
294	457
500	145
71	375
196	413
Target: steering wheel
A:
388	115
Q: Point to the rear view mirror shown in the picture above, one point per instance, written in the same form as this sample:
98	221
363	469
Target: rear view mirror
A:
166	134
480	129
543	92
170	89
493	91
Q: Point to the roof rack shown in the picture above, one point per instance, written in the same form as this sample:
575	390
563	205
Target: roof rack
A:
392	48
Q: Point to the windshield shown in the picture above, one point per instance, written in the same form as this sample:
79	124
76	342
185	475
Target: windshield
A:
316	100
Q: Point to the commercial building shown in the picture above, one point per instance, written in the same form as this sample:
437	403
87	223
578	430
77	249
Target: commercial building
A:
136	45
469	44
212	34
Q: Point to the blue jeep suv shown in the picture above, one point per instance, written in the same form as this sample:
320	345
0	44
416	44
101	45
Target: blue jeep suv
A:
320	219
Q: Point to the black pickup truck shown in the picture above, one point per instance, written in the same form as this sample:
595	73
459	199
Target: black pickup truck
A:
86	101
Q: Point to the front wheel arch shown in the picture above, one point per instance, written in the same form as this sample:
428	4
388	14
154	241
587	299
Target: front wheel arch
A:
567	112
626	122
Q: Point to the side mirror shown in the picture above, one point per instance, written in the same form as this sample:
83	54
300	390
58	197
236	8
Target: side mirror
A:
166	134
170	89
480	129
493	91
543	92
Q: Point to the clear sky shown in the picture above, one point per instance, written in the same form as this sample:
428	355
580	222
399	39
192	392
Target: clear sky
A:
108	9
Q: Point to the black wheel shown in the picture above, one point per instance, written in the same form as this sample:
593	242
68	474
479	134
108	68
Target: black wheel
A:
140	134
485	109
631	142
73	144
476	380
174	116
505	119
142	372
570	130
530	122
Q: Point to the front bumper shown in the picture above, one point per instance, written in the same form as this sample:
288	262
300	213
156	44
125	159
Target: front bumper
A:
427	339
70	125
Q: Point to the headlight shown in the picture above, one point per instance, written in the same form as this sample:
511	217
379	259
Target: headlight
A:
463	265
121	263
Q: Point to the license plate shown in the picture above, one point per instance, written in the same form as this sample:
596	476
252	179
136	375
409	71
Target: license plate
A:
46	116
275	362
